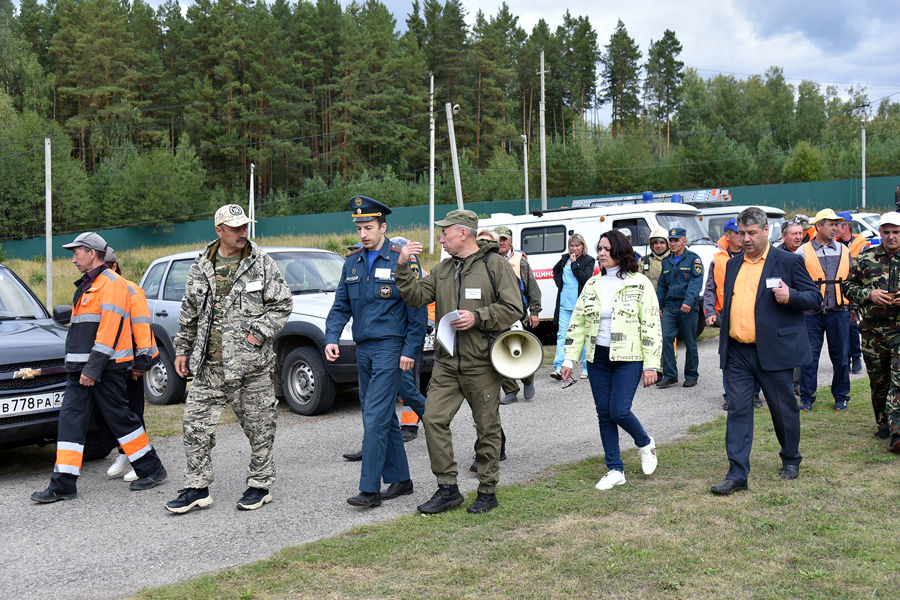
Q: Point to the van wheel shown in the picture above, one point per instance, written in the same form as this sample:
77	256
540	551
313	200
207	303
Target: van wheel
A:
308	388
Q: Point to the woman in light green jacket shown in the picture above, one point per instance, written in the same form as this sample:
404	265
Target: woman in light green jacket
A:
617	318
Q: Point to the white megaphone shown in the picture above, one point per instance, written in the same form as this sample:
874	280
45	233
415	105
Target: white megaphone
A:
517	353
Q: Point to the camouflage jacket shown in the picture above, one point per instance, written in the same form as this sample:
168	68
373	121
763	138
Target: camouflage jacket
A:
260	303
636	331
874	269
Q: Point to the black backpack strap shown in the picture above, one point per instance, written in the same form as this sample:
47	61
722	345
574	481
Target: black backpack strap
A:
491	278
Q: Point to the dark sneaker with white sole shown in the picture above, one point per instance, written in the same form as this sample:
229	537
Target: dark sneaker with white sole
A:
254	498
189	499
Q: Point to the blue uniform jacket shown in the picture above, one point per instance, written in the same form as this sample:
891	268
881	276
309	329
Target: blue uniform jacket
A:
680	284
374	302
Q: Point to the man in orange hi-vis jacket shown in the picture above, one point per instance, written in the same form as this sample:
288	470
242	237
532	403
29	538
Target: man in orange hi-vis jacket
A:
99	352
146	354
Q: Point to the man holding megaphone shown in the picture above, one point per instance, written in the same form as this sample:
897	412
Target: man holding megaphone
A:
478	283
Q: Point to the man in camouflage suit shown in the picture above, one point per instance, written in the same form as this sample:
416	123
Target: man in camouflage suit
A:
874	282
235	303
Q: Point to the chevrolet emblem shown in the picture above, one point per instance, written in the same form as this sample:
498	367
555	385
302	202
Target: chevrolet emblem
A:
26	373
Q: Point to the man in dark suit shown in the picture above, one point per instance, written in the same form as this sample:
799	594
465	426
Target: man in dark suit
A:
771	287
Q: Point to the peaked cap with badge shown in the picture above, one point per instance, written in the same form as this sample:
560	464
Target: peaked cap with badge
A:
365	209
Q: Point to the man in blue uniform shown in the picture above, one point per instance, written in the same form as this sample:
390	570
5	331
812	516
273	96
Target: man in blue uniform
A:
678	290
389	335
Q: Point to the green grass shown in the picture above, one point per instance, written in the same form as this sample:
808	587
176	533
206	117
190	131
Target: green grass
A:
829	534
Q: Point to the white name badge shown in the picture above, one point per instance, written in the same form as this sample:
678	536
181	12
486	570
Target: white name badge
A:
253	286
773	282
473	293
382	273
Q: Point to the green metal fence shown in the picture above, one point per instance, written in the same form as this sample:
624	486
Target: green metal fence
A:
791	197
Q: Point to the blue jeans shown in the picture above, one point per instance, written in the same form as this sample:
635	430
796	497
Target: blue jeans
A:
383	456
565	315
613	384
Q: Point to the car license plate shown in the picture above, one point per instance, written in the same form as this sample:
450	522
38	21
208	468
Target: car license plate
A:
10	407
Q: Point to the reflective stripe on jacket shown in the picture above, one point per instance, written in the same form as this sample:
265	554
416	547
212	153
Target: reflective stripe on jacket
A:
636	333
99	335
145	350
814	266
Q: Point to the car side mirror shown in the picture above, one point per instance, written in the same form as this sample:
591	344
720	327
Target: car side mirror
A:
62	314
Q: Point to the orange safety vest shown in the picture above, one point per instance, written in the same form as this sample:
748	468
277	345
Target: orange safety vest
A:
857	244
516	262
719	260
818	273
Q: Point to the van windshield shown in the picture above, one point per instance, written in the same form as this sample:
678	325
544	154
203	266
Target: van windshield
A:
690	224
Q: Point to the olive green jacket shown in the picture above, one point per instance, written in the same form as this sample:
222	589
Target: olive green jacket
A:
496	307
636	331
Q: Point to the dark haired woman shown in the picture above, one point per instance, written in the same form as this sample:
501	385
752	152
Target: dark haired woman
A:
619	309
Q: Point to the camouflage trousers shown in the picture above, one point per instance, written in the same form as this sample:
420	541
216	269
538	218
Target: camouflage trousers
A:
883	367
253	401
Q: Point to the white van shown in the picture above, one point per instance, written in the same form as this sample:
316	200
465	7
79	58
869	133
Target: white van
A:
714	218
544	236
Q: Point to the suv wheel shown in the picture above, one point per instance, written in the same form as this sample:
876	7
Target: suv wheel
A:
308	388
161	384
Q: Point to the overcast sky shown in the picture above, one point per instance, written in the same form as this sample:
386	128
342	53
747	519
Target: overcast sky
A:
833	42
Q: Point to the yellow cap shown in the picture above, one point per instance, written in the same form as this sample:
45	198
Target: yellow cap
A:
826	214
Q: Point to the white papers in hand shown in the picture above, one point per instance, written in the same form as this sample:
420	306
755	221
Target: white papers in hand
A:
447	332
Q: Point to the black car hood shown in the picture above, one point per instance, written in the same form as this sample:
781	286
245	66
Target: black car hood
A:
23	341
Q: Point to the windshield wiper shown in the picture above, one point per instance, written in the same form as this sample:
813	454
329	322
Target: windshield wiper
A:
16	317
700	240
307	291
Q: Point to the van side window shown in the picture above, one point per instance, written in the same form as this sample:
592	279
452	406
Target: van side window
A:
544	240
640	231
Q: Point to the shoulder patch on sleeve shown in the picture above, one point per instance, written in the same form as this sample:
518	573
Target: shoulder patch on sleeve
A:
698	267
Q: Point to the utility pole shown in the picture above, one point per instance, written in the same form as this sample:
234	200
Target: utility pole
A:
48	224
456	179
431	175
525	145
252	203
543	109
864	162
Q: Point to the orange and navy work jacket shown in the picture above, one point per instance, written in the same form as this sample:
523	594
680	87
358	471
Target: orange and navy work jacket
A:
99	337
145	351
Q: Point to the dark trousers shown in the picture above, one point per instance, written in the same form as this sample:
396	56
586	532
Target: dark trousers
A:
134	391
109	395
383	456
854	342
673	322
836	326
613	384
742	371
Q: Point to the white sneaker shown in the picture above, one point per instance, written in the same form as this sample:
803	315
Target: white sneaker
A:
611	480
118	467
648	457
130	476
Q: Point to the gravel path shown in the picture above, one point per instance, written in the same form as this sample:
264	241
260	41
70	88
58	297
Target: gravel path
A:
110	542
